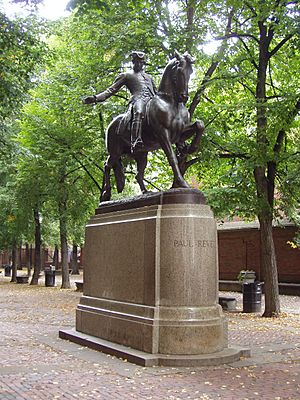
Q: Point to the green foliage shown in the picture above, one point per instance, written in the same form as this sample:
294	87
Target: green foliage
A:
230	107
21	50
83	6
88	50
65	146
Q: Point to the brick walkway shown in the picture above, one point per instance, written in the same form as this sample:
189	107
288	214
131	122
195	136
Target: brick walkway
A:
36	364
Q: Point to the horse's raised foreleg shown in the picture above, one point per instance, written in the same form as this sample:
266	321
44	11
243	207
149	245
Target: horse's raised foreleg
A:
179	181
199	130
141	162
196	128
183	148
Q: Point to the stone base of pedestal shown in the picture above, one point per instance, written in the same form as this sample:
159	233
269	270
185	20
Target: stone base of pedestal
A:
151	281
154	329
226	356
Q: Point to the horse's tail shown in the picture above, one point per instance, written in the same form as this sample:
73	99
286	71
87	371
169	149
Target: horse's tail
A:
119	175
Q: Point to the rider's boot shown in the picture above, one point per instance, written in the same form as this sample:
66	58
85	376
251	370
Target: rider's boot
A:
136	136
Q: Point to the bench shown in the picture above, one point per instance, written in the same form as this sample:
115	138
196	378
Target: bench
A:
22	279
227	303
79	286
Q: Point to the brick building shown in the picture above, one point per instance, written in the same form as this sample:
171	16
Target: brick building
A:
239	248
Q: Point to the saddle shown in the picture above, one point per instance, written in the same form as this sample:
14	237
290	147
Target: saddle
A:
125	122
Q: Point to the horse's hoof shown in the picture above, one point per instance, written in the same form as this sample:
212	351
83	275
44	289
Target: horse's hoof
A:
147	192
105	196
180	184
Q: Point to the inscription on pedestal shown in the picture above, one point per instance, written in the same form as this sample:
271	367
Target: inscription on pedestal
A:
194	243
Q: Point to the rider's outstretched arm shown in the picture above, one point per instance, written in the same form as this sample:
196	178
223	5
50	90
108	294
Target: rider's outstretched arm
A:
114	88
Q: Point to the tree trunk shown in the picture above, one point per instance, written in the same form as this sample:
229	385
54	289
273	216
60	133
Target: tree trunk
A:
27	259
264	184
75	266
10	257
55	257
190	13
269	268
19	262
267	248
64	244
31	256
14	263
43	257
37	250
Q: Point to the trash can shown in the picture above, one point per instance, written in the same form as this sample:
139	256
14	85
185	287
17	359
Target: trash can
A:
50	276
7	270
252	297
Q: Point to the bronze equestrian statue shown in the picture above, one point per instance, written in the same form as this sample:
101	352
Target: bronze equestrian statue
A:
165	121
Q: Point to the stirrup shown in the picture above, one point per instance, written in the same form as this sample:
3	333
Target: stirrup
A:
137	145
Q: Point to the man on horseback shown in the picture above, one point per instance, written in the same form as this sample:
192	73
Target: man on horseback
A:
142	89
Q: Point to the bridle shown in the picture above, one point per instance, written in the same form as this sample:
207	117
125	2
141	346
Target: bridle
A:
181	94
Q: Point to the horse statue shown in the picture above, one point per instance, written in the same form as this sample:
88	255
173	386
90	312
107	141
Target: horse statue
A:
167	122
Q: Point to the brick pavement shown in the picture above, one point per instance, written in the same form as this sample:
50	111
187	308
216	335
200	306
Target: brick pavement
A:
36	364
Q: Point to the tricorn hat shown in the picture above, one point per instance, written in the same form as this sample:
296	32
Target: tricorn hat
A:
137	55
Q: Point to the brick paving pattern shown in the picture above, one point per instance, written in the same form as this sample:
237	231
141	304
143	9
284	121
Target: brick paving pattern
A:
36	364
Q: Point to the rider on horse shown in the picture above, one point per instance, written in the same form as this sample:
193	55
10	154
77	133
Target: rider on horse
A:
142	89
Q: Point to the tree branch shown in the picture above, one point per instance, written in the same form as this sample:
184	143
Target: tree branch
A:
236	35
249	5
63	143
87	172
247	87
279	45
91	161
211	69
228	153
249	52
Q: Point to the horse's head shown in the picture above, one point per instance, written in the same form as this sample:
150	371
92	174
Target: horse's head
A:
182	71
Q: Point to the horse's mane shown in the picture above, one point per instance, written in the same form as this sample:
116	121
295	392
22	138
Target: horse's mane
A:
165	82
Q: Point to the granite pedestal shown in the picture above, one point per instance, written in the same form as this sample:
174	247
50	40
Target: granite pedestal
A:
151	282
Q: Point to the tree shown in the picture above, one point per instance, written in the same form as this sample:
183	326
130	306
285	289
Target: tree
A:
55	135
21	49
13	223
254	103
31	193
